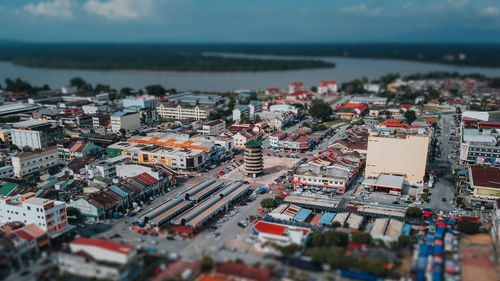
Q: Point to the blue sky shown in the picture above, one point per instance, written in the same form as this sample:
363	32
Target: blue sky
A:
250	20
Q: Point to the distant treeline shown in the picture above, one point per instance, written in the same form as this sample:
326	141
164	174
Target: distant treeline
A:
142	57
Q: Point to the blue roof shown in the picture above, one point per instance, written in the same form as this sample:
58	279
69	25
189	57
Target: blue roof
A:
327	218
118	191
120	114
406	229
302	214
462	173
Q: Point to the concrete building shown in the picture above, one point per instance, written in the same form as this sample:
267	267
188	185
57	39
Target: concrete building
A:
241	111
34	133
6	171
369	100
478	145
196	99
281	234
253	158
316	177
145	105
213	128
100	259
255	107
105	168
326	87
125	120
290	142
280	108
179	112
47	214
398	152
26	163
485	184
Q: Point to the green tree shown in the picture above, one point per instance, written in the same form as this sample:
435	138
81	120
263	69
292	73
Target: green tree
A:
414	212
336	238
314	89
289	250
336	224
317	239
278	199
373	266
361	237
410	116
206	264
77	82
156	90
406	241
468	227
320	110
123	131
126	91
27	148
14	147
268	203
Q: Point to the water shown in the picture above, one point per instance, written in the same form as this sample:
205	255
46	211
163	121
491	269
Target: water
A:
346	69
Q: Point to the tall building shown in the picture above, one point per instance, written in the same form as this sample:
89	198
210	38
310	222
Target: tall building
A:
253	158
213	128
398	152
47	214
125	120
34	133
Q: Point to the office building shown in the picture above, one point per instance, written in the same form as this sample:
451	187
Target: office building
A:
213	128
179	112
316	177
27	163
125	120
253	158
34	133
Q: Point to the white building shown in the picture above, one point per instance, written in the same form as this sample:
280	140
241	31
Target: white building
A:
34	133
179	112
69	90
26	163
241	111
47	214
296	86
105	168
371	87
93	109
213	128
317	177
6	171
369	100
326	87
283	108
125	120
280	234
101	259
480	115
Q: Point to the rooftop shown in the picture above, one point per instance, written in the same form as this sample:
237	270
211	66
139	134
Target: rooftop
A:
486	176
124	249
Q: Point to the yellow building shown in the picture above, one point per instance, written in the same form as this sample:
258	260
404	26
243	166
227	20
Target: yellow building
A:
398	152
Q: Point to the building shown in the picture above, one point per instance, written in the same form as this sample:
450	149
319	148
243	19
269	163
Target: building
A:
485	184
100	259
145	105
350	110
104	168
101	120
242	137
253	158
316	177
125	120
398	151
281	108
295	87
34	133
241	111
273	91
47	214
326	87
254	107
479	115
26	163
179	112
213	128
280	234
196	99
369	100
478	144
290	142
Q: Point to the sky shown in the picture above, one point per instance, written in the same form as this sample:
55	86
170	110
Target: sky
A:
257	21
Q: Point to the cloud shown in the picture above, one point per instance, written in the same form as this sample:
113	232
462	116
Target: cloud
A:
489	11
55	8
458	3
119	9
362	9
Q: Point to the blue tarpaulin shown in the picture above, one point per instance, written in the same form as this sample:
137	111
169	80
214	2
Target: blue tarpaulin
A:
462	172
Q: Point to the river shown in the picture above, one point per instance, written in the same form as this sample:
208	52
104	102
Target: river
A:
346	69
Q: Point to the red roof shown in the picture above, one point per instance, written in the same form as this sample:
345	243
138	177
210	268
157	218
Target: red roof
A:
147	178
23	234
302	139
297	83
405	106
241	270
492	125
326	83
273	90
105	244
278	135
274	228
486	176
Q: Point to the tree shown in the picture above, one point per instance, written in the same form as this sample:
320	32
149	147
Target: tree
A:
288	250
336	238
373	266
206	264
257	119
361	237
278	199
467	227
320	110
268	203
317	239
14	147
336	224
305	124
156	90
414	212
123	131
27	148
314	89
406	241
125	91
77	82
410	116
